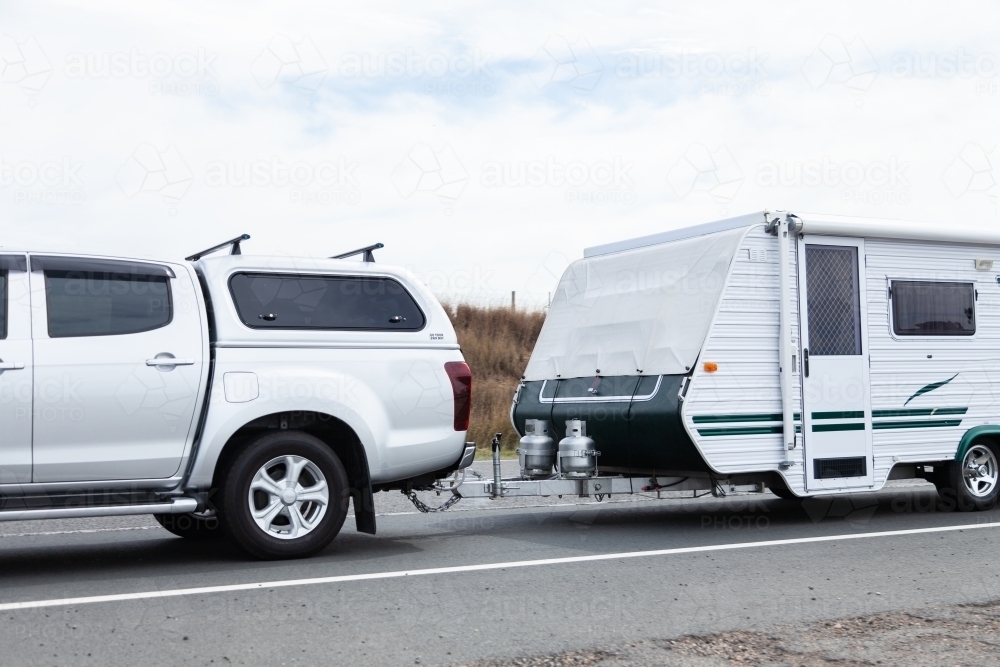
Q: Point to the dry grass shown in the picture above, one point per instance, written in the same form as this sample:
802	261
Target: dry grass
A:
496	342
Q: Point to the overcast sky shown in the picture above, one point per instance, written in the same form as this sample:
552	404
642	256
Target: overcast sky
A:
486	144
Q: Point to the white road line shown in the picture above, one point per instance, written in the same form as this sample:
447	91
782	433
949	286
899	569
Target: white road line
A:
204	590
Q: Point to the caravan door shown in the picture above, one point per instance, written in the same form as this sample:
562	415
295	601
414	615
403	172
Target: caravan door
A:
836	400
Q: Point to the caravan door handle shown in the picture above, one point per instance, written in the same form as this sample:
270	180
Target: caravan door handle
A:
805	362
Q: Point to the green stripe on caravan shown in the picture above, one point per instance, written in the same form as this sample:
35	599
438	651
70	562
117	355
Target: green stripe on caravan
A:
744	430
855	426
927	423
854	414
919	412
721	419
931	387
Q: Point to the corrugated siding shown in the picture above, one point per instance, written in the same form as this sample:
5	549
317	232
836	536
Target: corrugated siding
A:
900	366
743	341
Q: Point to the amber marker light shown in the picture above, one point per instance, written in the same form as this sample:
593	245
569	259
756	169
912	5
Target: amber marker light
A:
711	366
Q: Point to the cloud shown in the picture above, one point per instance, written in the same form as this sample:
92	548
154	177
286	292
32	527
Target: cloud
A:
555	94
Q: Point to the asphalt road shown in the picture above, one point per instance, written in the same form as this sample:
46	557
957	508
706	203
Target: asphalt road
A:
461	616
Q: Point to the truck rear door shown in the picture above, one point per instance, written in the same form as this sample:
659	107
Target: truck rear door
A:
119	360
15	371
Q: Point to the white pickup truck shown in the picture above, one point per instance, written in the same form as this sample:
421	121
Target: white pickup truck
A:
253	396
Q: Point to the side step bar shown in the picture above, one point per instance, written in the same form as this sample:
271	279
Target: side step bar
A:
174	506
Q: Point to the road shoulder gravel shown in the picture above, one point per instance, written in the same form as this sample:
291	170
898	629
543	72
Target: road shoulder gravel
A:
950	635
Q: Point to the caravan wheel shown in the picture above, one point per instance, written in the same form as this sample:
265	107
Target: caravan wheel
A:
779	488
973	481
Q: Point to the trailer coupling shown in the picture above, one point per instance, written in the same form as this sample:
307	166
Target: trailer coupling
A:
568	471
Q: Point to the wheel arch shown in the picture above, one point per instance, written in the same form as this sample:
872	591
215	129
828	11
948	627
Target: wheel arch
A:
334	432
985	432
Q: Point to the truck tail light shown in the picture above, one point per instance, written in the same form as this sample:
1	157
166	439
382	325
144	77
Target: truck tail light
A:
461	386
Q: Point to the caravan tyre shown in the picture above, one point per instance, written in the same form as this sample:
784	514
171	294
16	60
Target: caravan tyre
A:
780	489
782	492
972	483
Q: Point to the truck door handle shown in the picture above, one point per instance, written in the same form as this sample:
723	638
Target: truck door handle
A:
169	361
11	365
805	362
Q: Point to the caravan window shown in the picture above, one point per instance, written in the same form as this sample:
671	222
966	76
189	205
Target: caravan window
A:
933	308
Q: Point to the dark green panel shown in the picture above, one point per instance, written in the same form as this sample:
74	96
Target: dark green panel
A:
657	439
919	412
821	428
741	418
740	430
918	424
721	419
859	414
529	407
607	421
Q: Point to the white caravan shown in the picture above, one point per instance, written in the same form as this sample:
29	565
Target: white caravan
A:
813	354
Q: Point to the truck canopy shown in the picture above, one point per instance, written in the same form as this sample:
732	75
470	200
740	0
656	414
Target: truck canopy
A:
644	310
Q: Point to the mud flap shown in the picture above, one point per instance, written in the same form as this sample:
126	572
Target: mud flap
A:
364	509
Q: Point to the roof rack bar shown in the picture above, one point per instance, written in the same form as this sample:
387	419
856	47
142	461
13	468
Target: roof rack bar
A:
233	242
367	251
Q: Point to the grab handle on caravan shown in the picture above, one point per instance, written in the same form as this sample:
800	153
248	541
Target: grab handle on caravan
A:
805	362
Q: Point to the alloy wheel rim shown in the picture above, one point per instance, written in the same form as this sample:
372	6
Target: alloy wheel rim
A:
979	471
288	497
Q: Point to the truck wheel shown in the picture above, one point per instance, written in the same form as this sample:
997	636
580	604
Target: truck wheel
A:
284	496
973	481
192	526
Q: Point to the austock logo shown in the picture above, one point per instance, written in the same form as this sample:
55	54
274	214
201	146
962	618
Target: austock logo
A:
324	182
149	170
730	73
24	63
180	74
702	170
601	181
872	181
48	182
972	173
425	170
560	62
295	63
837	62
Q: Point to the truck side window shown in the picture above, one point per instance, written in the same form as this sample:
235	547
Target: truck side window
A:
274	301
933	308
104	298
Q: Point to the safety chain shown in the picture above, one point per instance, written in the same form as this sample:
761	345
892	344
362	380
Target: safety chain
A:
424	508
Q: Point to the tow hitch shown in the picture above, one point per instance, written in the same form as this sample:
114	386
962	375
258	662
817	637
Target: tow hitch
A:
581	479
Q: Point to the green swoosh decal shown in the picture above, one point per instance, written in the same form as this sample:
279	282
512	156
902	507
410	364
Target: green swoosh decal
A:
930	387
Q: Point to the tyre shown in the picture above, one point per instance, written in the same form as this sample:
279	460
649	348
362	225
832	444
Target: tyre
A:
284	496
193	526
972	483
780	489
782	492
